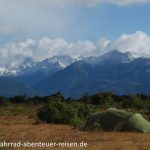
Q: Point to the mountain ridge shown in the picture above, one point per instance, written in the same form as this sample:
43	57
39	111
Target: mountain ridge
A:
114	71
121	73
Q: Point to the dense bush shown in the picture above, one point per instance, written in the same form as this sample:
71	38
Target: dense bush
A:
2	101
105	99
61	112
137	101
133	101
18	99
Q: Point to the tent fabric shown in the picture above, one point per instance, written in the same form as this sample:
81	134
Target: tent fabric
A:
137	123
118	120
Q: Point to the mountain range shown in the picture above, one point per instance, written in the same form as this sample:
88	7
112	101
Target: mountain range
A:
114	71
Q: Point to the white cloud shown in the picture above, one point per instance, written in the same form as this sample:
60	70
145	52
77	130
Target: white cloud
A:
102	45
66	2
46	48
29	16
137	43
15	53
125	2
20	19
7	30
94	2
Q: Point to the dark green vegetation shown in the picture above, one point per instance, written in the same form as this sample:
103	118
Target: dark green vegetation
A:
59	110
137	101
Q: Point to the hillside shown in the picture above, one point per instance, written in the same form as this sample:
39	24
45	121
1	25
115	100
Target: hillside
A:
10	88
116	72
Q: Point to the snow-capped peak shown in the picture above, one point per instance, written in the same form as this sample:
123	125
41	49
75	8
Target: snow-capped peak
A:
30	66
2	70
111	56
62	60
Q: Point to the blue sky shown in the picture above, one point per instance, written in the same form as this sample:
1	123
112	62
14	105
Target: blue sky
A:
30	19
43	28
109	21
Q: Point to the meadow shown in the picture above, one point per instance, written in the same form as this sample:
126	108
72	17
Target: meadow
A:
18	122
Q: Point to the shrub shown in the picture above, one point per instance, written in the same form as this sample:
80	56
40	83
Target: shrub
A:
18	99
133	101
76	122
61	112
2	101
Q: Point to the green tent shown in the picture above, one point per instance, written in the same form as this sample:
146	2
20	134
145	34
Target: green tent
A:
118	120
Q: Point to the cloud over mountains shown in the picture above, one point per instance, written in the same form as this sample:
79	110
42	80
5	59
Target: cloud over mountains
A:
15	53
137	43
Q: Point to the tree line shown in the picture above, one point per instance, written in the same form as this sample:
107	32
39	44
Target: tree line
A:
138	101
60	110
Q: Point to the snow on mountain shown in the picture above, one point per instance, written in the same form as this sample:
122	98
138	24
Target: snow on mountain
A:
115	71
113	56
29	65
2	70
60	62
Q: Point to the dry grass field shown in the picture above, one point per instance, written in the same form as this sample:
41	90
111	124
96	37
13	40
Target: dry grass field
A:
23	127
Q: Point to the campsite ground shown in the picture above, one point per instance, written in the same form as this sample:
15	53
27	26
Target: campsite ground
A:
21	125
